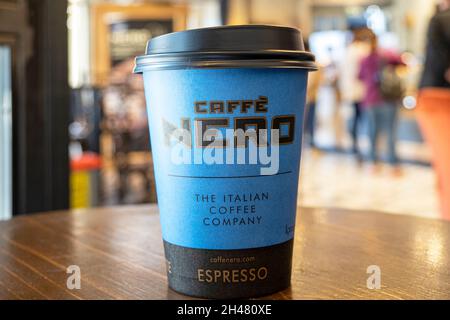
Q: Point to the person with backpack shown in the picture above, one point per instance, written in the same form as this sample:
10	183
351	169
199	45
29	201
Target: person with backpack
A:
383	90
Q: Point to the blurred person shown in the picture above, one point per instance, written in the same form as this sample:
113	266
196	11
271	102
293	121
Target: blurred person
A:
351	87
433	105
314	80
330	76
381	112
437	63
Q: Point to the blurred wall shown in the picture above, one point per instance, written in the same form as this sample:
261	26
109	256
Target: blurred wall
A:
275	12
203	13
78	24
239	12
410	22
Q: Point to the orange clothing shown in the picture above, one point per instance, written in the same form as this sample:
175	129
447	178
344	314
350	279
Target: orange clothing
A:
433	115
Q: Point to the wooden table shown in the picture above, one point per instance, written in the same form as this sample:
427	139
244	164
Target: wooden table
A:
119	252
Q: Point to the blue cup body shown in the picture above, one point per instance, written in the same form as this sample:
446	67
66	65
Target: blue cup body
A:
219	218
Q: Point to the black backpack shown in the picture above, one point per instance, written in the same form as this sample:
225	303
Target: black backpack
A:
389	82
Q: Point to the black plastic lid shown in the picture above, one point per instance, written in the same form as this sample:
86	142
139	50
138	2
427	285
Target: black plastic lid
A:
246	46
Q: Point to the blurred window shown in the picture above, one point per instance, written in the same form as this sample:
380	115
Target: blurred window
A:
376	19
5	133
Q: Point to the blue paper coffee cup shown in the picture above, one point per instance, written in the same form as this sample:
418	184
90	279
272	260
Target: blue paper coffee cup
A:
226	108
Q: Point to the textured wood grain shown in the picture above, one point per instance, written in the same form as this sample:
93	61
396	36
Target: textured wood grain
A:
119	251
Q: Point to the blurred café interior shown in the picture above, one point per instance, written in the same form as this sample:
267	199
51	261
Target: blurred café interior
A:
73	124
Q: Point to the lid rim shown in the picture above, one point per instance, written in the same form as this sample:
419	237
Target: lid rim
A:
261	52
225	64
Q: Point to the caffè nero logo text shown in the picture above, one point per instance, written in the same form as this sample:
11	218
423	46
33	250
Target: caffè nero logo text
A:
222	132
